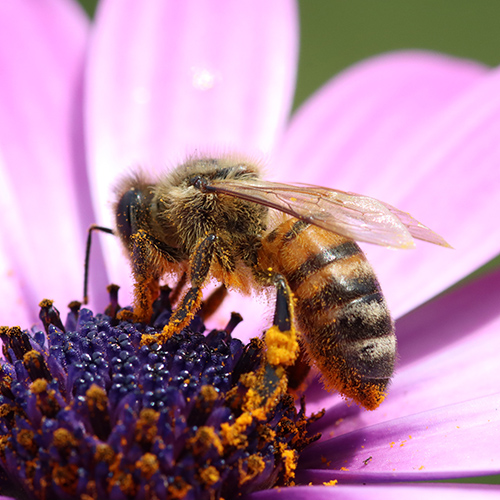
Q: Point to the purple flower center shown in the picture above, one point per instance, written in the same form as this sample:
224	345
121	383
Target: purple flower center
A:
87	412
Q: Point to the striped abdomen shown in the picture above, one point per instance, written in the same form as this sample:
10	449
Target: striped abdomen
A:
340	310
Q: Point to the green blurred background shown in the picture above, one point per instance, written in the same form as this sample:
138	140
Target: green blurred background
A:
338	33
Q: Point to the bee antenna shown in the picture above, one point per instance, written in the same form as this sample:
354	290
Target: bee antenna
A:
93	227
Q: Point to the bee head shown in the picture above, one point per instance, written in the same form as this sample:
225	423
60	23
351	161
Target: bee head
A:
128	212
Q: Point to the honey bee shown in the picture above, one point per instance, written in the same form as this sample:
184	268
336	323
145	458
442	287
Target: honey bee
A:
216	218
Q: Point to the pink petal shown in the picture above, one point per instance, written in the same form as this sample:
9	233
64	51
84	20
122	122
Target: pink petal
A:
468	314
427	120
447	354
379	492
456	189
362	115
41	53
167	78
13	309
444	443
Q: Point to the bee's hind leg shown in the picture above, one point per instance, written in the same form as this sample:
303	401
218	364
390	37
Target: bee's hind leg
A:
190	303
282	347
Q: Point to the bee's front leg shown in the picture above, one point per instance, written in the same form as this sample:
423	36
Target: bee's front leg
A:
190	303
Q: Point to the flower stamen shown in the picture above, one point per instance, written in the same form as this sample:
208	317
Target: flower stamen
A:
86	411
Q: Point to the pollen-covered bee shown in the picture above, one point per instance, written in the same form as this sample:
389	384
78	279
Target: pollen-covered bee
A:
215	218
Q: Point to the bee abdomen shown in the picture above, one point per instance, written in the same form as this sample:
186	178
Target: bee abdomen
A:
341	312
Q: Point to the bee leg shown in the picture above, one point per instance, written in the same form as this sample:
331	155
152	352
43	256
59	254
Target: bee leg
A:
190	303
146	290
213	302
281	344
145	253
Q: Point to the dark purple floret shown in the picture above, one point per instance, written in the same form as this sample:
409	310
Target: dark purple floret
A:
87	412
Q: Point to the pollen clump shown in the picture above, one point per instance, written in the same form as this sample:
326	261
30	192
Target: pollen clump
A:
64	439
234	434
208	393
97	398
104	453
282	347
148	465
146	429
250	467
26	439
290	459
333	482
179	489
65	476
38	386
45	398
210	475
121	479
205	439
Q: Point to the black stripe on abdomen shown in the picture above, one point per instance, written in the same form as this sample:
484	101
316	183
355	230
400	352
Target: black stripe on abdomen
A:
338	293
320	260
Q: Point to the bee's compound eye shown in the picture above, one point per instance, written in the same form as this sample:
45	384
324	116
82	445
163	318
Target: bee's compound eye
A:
127	211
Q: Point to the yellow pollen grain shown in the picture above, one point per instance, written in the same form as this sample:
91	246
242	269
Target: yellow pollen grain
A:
234	434
63	438
26	439
290	460
97	398
249	379
253	400
38	386
208	393
344	469
32	357
145	427
259	414
333	482
65	476
210	475
148	464
179	489
104	453
5	410
255	465
206	438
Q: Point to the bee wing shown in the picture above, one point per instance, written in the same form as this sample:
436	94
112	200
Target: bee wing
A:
357	217
416	228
